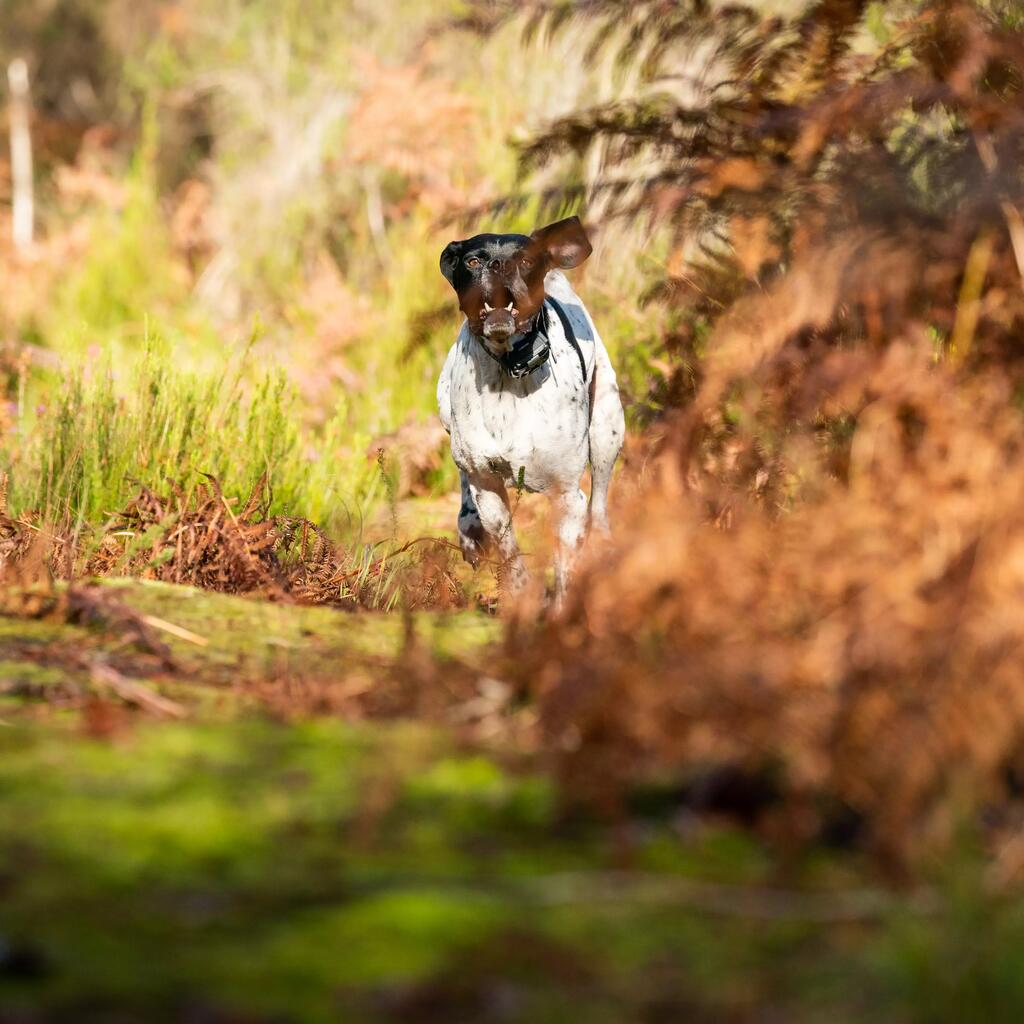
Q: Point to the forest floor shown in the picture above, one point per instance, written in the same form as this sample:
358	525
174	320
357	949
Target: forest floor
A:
215	808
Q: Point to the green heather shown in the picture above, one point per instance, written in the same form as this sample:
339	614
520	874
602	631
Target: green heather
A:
155	425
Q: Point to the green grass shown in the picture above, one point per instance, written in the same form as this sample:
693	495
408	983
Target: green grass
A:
85	444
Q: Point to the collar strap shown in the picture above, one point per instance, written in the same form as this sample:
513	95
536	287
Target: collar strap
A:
531	351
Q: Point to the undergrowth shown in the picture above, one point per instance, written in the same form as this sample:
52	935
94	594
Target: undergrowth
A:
818	591
80	448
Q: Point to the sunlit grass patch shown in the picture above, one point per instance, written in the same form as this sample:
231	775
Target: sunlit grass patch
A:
85	444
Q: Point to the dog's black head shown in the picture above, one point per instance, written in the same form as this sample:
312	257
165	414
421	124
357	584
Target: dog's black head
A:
500	278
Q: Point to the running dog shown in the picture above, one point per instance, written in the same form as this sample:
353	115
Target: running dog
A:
527	393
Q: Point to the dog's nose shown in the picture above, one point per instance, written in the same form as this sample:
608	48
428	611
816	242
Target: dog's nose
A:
499	326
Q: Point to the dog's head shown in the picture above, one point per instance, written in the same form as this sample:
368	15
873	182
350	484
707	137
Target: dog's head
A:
500	278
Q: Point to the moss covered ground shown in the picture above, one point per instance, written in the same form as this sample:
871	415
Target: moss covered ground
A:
225	861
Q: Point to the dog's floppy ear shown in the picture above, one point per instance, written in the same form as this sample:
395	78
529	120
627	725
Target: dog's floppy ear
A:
565	242
450	260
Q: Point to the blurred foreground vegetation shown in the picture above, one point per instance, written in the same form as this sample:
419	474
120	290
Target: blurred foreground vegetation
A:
241	859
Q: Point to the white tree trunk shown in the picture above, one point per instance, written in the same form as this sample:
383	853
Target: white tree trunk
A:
21	156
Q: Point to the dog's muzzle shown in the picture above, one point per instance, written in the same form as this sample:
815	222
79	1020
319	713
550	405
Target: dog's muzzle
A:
499	324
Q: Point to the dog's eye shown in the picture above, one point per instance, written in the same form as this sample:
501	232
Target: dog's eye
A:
473	262
526	262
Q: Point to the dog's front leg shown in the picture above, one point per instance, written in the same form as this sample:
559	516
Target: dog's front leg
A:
472	539
492	506
571	509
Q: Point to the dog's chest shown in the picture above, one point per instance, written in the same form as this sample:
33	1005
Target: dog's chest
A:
532	431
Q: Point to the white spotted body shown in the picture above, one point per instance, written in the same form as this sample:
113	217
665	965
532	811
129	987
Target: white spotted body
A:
533	430
538	431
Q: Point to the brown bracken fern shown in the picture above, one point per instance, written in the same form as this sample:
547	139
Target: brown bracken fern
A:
823	577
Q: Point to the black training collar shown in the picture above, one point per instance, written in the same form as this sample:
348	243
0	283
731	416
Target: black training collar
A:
531	351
